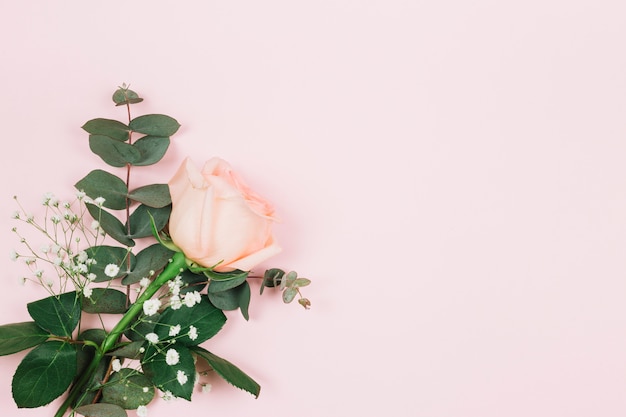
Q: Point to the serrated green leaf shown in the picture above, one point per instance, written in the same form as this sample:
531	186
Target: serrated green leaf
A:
113	152
141	220
107	127
151	148
154	195
126	389
205	317
105	255
101	410
152	258
232	374
164	375
110	224
105	301
44	374
155	125
99	183
16	337
58	314
124	96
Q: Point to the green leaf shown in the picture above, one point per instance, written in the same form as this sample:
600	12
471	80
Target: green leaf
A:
105	301
229	372
272	278
141	220
101	410
110	224
233	298
86	351
154	195
151	148
107	127
222	281
113	152
126	389
155	125
124	96
152	258
131	350
20	336
164	375
105	255
44	374
141	328
301	282
205	317
100	183
192	281
58	314
289	294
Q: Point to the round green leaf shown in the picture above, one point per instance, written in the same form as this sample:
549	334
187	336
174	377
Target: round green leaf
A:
113	152
124	96
107	127
110	224
141	224
105	301
126	389
20	336
151	149
152	258
100	183
44	374
58	314
154	195
155	125
289	294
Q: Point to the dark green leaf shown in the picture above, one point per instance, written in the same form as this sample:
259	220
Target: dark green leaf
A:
107	127
44	374
126	389
105	255
222	281
155	125
151	148
192	281
141	223
105	301
229	372
101	410
233	298
85	351
141	328
154	195
164	375
152	258
205	317
124	96
100	183
272	278
130	350
58	314
110	224
113	152
20	336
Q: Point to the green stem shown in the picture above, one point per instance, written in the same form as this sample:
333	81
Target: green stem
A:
171	271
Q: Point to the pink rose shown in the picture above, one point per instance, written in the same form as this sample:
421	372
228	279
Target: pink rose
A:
216	218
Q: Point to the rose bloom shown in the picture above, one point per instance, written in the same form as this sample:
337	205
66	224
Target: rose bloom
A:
218	220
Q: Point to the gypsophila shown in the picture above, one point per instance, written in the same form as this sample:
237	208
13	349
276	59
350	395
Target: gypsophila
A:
172	357
116	365
181	377
151	307
111	270
152	338
142	410
193	332
174	330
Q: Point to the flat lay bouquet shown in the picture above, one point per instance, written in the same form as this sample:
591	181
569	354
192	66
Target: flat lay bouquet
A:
153	266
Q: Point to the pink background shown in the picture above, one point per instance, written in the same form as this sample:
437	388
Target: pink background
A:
449	173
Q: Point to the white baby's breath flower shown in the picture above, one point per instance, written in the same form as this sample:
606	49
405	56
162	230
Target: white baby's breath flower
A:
193	332
116	365
192	298
145	389
80	195
174	330
172	357
99	201
151	307
95	225
14	255
175	302
206	388
91	276
142	410
168	396
15	215
111	270
44	248
39	273
152	338
181	377
144	282
82	256
87	291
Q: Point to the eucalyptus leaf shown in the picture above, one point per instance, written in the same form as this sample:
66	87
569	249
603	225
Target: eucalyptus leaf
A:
99	183
272	278
151	149
58	314
44	374
101	410
129	389
113	152
155	125
141	220
20	336
232	374
111	225
150	259
124	96
107	127
289	294
154	195
164	376
105	301
205	317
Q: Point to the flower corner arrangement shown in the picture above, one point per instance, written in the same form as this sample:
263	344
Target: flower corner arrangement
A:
155	266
